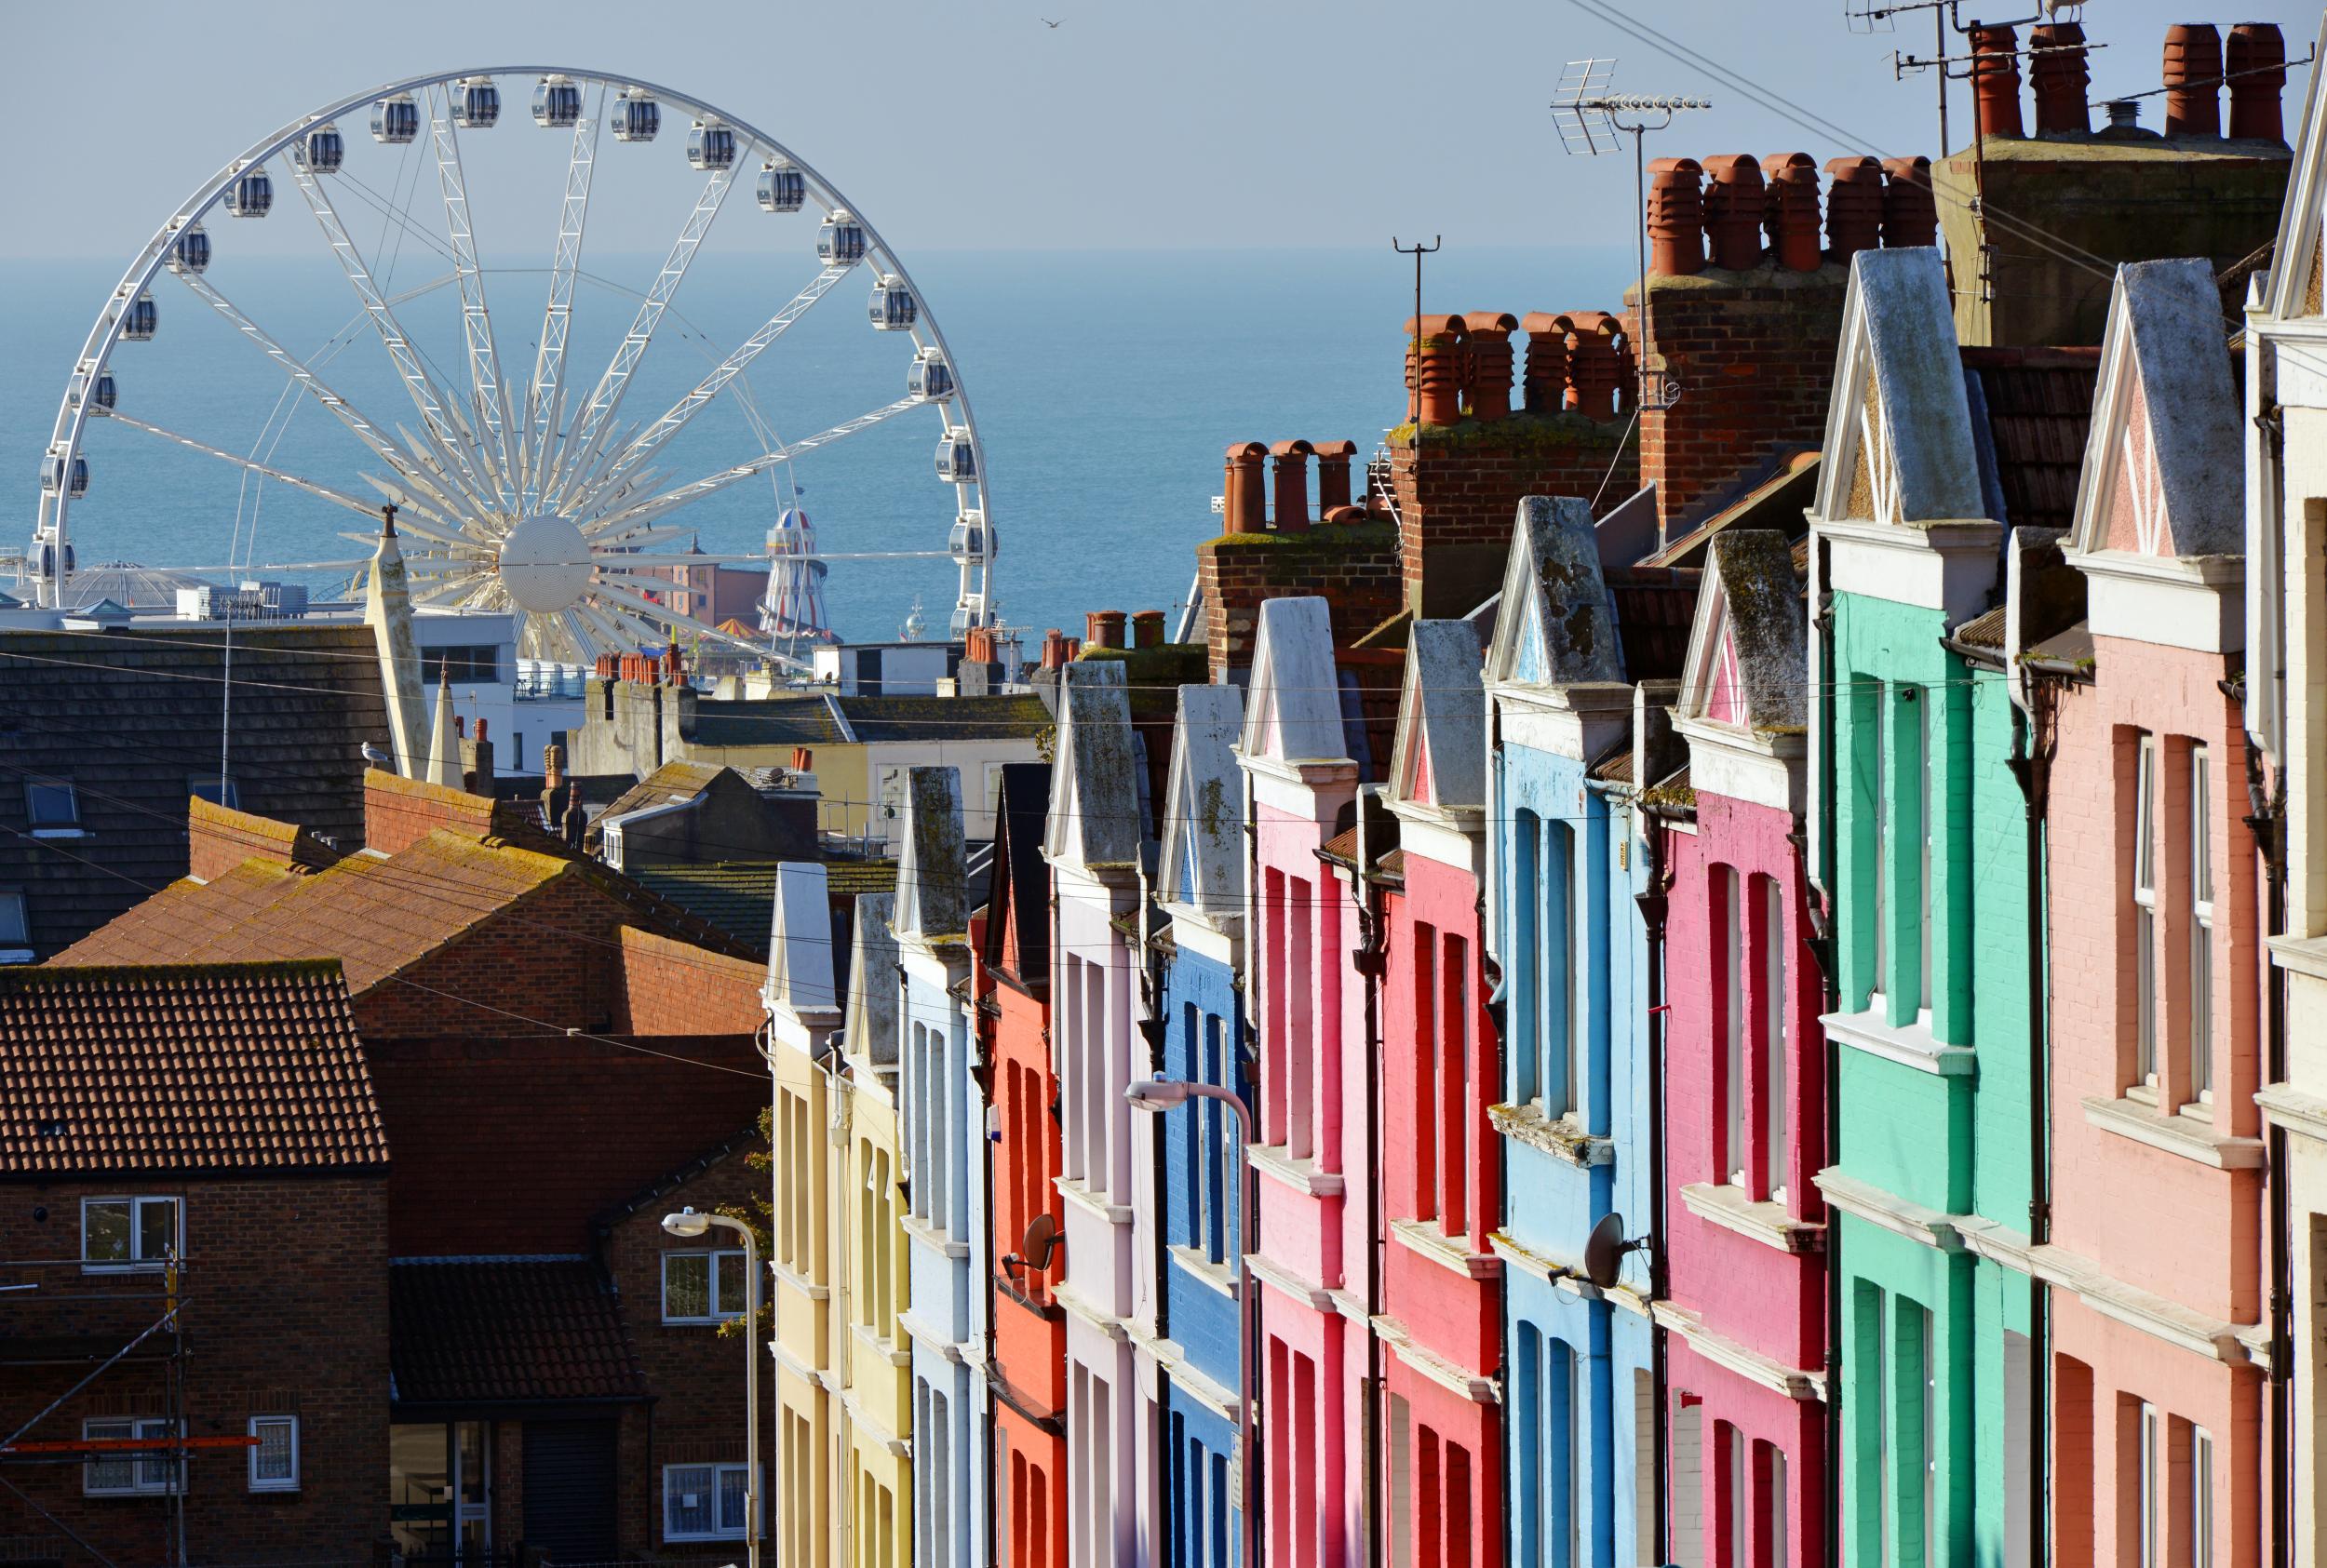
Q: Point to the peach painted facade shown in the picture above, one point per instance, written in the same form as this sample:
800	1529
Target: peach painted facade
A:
1314	1162
2155	1253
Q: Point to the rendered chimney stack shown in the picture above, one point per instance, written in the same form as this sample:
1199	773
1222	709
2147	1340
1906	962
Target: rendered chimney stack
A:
1910	211
1546	386
1335	460
1792	206
1676	218
1486	360
1104	628
1245	501
1288	484
1595	365
1995	81
2255	57
2059	72
2193	79
1439	378
1854	208
1146	629
1733	204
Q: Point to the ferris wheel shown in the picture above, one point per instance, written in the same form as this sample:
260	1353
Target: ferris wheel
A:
524	487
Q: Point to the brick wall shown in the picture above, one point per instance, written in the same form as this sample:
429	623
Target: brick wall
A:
1753	353
1353	565
696	1372
666	987
285	1309
1458	495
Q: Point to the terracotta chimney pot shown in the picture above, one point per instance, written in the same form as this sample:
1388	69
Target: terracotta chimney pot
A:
1335	460
1996	80
1794	199
1910	211
1733	209
1547	362
1596	369
2061	76
1676	218
1854	208
1341	515
1244	502
1487	391
1146	629
2193	79
1438	383
2255	57
1105	628
1288	483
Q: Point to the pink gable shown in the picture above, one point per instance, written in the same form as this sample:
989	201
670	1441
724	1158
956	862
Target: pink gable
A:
1725	698
2137	519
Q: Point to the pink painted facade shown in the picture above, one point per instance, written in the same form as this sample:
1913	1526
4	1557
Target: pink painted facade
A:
1744	1088
2158	1191
1313	1159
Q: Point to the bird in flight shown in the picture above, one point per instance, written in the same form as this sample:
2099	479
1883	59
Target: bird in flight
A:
1047	22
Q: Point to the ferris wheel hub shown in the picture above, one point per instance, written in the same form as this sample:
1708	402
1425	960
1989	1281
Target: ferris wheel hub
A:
544	564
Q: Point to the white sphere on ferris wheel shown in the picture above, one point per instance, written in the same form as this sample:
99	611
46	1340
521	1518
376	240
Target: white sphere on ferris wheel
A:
527	487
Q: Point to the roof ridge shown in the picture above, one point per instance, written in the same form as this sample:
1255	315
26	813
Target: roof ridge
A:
29	976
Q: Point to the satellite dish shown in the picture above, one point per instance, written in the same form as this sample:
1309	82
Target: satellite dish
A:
1604	1251
1040	1243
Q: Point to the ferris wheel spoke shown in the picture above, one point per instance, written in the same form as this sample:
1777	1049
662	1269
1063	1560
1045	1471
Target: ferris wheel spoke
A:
604	528
641	604
247	465
590	429
359	424
486	397
543	396
417	381
646	443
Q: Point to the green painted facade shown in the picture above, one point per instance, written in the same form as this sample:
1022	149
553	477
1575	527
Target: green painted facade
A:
1914	729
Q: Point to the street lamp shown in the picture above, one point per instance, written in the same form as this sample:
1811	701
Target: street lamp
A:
689	1225
1157	1096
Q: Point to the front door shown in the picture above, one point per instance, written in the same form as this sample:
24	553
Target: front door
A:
441	1491
570	1489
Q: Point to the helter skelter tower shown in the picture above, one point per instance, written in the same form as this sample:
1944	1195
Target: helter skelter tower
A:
793	610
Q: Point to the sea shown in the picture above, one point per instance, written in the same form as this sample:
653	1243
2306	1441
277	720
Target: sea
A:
1105	387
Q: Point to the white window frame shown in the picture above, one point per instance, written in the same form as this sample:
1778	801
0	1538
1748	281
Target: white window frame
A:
2151	1496
2145	912
141	1467
1777	1036
2201	1062
1735	1162
716	1257
715	1472
136	1263
2201	1501
16	932
273	1483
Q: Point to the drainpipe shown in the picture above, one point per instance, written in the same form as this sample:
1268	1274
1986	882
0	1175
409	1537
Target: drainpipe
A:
1655	904
1252	1402
1370	963
984	1074
1820	879
1155	1030
2266	821
2031	762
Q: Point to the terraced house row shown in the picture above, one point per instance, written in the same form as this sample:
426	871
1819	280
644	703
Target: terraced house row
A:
1773	1022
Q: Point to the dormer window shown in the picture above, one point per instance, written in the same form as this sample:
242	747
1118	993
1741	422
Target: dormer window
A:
16	935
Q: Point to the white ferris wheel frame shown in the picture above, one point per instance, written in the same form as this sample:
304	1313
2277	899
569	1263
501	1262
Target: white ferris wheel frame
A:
446	442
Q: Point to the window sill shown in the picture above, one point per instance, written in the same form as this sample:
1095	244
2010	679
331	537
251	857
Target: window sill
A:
1766	1223
1561	1139
801	1283
2186	1136
888	1350
16	955
2301	954
1910	1045
83	833
701	1322
1426	1240
121	1268
1199	1267
936	1240
279	1489
1075	1192
1304	1177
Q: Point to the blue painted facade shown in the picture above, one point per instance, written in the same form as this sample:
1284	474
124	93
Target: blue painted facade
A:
1203	1233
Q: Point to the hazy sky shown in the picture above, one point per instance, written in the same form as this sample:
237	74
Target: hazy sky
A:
970	123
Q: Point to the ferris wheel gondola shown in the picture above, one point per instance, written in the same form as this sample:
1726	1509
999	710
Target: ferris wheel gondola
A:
525	489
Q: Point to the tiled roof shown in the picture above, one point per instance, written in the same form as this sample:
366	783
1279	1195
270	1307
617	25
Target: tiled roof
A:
738	896
1655	608
507	1329
672	781
131	717
1341	848
850	878
376	915
1776	501
877	720
1983	630
204	1068
2038	403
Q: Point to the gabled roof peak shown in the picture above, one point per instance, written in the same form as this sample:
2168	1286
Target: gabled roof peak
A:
1748	651
1899	445
1095	808
1439	757
933	870
1203	863
870	1031
799	940
1293	699
1553	623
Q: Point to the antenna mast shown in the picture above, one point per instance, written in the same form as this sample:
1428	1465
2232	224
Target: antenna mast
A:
1590	117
